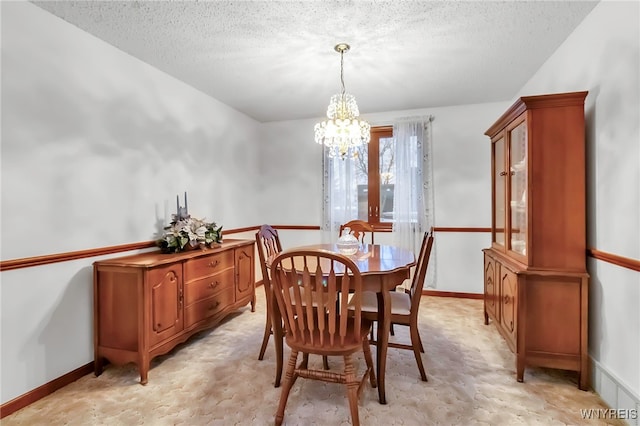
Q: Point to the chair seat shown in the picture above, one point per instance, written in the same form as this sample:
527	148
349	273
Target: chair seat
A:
400	302
350	345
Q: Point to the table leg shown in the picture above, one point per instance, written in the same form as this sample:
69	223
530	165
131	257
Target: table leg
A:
384	325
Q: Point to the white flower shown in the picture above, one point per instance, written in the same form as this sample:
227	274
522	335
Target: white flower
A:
188	230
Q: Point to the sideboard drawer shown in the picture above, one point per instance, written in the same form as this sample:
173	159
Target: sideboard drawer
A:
208	286
207	308
208	265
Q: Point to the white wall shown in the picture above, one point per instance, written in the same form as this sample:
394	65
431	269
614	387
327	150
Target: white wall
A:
290	184
603	56
95	146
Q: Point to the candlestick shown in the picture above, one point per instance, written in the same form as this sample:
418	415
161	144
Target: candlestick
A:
166	212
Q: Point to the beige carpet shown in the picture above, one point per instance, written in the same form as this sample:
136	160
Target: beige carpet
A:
216	379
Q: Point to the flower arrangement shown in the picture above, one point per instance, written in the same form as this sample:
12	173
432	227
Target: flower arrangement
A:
187	233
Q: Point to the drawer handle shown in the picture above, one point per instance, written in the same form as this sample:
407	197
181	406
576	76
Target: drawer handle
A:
214	284
507	299
503	173
214	263
214	305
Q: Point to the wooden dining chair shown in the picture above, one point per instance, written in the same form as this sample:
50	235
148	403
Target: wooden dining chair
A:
269	246
405	305
359	229
302	280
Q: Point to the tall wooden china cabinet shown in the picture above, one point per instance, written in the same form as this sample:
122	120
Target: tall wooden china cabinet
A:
535	279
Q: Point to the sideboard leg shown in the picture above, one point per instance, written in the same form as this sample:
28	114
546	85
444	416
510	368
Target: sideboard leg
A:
143	366
144	375
583	380
97	366
520	369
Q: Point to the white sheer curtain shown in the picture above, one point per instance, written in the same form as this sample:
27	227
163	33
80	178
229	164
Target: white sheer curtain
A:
339	195
413	201
413	189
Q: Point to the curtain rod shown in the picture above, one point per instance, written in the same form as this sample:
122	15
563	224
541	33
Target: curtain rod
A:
428	118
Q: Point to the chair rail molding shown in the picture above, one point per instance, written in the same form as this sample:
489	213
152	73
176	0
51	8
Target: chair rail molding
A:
27	262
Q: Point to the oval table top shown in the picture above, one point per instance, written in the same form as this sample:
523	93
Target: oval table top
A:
372	259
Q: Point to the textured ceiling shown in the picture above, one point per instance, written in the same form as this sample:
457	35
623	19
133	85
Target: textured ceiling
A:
275	61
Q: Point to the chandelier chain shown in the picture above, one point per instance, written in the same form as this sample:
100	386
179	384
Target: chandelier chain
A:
342	70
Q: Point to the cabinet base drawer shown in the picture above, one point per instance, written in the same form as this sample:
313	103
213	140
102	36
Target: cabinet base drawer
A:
206	287
208	265
207	308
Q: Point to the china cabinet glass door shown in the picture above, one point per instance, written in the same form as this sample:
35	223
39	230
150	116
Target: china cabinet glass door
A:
499	181
518	188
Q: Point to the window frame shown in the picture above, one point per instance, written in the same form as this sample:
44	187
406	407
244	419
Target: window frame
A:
373	178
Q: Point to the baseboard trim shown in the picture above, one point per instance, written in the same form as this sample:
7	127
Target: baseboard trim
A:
44	390
622	400
460	229
439	293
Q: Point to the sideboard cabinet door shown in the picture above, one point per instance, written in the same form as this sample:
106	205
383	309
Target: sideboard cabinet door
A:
245	275
165	287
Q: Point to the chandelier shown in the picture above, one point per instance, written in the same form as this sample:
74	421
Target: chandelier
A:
343	131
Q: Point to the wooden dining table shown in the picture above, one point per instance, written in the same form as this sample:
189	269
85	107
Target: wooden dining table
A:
383	268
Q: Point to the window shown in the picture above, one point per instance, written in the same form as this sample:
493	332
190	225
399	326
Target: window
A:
375	178
388	183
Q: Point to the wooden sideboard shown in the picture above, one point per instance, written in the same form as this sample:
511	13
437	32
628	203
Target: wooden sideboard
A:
146	304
